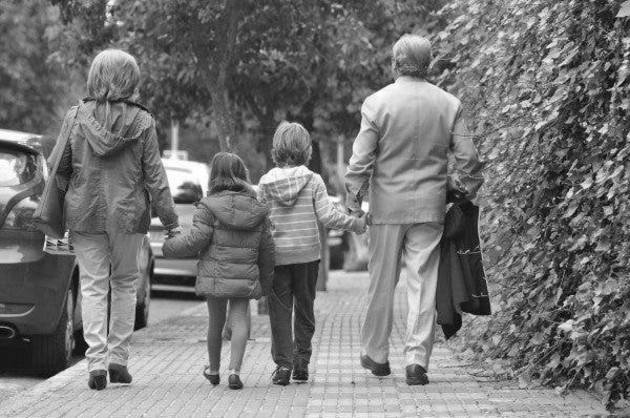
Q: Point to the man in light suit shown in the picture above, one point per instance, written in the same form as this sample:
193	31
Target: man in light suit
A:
401	153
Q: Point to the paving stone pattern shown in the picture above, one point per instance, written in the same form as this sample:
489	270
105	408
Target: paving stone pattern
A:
168	359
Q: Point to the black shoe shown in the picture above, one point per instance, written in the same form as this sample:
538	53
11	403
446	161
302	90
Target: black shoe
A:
234	382
281	376
377	369
119	374
215	379
97	379
300	371
416	375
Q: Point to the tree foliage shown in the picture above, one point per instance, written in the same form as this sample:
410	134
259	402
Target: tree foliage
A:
31	86
546	87
310	61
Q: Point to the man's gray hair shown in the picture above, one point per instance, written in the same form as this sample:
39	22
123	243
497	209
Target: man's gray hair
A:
114	75
411	56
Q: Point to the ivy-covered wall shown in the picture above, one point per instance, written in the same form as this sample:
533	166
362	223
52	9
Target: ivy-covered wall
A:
547	92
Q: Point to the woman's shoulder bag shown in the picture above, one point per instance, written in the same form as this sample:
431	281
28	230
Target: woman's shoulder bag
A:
48	216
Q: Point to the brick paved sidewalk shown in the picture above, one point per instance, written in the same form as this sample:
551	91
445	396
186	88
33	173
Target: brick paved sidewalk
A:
168	358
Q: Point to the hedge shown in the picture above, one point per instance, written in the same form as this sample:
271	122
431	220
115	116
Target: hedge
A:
545	85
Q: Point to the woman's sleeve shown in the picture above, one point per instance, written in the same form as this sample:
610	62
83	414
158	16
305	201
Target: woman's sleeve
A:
156	181
199	237
64	171
266	258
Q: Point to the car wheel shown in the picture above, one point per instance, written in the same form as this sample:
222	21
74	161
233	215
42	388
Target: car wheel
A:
52	353
143	304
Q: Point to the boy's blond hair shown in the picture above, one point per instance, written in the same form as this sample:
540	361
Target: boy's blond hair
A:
291	145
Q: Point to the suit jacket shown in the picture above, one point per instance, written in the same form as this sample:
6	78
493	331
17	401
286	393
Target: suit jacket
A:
462	283
401	153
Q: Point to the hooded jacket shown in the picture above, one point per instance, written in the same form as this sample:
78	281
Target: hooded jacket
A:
112	169
231	235
297	199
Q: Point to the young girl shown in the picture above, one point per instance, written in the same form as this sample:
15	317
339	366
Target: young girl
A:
231	234
298	199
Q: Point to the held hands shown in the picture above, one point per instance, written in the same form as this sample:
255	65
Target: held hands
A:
363	221
172	232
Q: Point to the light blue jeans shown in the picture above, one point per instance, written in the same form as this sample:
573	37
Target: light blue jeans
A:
96	253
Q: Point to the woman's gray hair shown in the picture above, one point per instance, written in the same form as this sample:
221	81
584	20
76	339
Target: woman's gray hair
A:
411	56
114	75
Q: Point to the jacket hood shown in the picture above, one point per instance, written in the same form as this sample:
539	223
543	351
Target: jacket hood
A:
110	130
237	210
285	184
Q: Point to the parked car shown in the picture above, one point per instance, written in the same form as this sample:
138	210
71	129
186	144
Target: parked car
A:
39	292
188	181
347	250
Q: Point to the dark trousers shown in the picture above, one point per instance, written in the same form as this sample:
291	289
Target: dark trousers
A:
293	286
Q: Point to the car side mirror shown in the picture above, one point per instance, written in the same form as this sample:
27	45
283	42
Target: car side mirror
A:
188	193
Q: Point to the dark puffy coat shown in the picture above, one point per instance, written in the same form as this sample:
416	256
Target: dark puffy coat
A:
231	235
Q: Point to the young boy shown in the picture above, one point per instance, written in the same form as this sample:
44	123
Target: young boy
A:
297	199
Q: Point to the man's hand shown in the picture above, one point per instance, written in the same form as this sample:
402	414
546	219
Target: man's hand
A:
362	223
357	213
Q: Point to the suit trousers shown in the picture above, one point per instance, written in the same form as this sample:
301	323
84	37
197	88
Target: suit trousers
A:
96	254
417	246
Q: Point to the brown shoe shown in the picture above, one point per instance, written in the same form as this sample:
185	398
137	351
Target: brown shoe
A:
377	369
119	374
97	379
416	375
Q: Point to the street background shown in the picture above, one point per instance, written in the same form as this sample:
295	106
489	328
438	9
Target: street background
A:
545	87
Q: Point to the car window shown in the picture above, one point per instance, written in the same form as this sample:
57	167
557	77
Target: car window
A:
16	168
178	176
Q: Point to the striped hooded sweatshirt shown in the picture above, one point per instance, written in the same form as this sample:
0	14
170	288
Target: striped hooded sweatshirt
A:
297	198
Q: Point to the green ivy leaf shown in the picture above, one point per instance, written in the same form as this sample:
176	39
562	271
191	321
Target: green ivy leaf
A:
624	10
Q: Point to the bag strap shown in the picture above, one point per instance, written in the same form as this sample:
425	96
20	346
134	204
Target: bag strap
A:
62	142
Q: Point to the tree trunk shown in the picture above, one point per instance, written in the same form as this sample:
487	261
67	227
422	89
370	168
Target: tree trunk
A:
219	68
265	145
224	118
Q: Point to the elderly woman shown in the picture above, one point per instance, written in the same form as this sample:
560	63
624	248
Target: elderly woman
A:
407	130
112	165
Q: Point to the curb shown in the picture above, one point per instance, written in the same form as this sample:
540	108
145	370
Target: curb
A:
20	400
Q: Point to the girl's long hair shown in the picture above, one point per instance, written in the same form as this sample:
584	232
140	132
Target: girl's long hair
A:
228	172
